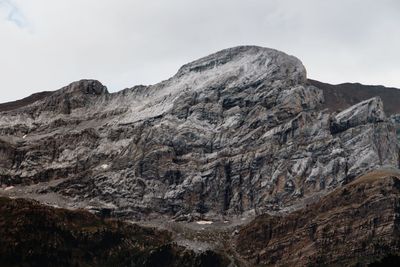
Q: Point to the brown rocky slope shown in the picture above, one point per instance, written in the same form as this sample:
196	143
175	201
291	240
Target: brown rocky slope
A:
355	225
24	102
342	96
32	234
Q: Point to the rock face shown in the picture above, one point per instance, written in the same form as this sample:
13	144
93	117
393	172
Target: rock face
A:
355	225
240	130
368	111
396	121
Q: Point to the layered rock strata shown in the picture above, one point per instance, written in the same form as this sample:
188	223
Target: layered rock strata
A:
356	225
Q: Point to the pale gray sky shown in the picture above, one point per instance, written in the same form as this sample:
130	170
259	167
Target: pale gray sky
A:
46	44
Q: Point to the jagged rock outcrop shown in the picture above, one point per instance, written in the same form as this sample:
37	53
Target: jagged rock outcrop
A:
368	111
237	131
356	225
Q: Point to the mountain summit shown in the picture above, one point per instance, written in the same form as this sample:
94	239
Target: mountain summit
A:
238	132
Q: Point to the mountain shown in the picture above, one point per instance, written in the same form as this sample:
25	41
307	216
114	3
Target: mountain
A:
238	134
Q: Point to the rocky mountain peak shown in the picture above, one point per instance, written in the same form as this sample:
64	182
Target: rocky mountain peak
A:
248	63
84	87
239	131
76	95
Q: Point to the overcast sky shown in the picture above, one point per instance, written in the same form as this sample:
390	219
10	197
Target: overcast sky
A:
46	44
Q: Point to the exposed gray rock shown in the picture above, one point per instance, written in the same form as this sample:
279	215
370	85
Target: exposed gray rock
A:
236	131
368	111
396	121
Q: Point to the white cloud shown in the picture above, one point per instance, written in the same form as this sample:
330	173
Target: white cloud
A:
127	42
10	12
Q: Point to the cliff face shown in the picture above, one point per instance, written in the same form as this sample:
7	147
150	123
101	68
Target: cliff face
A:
237	131
396	121
355	225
